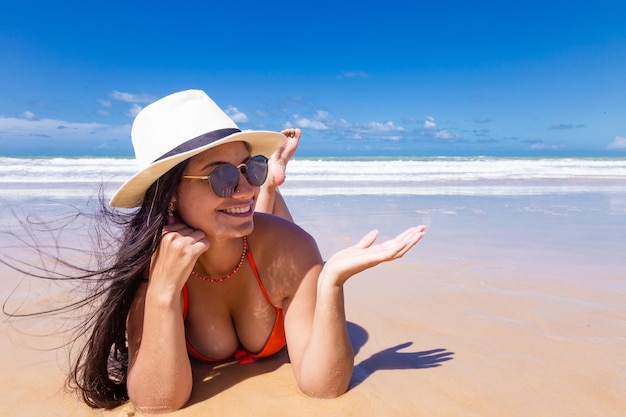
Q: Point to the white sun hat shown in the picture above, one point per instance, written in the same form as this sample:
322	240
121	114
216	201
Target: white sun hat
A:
178	127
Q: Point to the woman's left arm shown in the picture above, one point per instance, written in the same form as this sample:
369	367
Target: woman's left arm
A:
315	324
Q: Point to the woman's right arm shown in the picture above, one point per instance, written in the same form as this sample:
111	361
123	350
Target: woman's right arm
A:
159	372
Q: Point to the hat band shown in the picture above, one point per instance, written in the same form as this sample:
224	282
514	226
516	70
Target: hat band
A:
198	141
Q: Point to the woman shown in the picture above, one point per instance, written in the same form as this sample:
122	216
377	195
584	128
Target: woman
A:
199	273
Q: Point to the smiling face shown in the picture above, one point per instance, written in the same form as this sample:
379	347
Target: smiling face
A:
199	207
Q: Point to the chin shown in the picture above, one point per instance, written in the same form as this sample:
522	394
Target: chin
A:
245	229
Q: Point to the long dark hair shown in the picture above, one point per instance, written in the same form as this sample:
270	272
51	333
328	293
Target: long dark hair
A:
124	242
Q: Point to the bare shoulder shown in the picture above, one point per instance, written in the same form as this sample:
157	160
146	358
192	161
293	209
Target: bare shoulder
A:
280	234
284	253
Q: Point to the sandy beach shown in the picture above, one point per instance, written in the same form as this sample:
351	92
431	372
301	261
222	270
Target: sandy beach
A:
510	306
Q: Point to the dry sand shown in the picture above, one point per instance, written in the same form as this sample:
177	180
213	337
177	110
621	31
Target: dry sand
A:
506	308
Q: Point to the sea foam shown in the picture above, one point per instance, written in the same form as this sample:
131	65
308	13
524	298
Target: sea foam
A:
63	177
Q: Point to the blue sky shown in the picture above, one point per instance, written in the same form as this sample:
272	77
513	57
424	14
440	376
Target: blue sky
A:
385	78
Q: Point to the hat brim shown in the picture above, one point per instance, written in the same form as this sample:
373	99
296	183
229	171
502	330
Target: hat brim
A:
131	194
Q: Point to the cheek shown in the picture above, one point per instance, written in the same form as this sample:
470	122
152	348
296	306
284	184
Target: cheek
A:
195	202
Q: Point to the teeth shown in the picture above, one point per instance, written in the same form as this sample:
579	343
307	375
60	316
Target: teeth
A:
238	210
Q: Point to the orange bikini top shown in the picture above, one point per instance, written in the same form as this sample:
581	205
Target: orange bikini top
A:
275	342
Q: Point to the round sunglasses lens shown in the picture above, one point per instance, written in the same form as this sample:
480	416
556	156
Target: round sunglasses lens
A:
224	179
256	169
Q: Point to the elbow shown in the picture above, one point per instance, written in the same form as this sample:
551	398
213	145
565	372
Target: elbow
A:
158	395
156	402
329	395
327	389
160	406
325	394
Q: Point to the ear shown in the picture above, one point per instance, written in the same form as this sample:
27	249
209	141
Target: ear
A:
171	206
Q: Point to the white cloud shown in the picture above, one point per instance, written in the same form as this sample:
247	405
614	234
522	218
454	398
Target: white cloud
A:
236	115
320	121
565	126
543	146
429	123
305	123
343	124
355	136
383	127
28	115
132	98
354	74
618	143
53	129
137	100
322	115
134	110
444	134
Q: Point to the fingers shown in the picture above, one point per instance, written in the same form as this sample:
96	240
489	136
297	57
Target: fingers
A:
412	235
411	232
367	240
350	261
409	238
175	231
397	247
174	227
178	251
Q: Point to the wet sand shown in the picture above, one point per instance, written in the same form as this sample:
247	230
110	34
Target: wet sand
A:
510	306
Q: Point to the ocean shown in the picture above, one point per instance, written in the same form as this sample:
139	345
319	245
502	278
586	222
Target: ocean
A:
61	178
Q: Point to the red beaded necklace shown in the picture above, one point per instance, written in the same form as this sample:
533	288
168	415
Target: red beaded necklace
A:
230	274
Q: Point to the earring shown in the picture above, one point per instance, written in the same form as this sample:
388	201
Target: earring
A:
170	209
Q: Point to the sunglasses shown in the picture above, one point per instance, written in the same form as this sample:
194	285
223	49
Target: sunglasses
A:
224	179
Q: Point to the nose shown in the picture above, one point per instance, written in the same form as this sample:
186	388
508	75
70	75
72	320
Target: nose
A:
244	188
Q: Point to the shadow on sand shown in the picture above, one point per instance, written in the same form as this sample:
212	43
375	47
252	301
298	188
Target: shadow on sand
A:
391	358
209	379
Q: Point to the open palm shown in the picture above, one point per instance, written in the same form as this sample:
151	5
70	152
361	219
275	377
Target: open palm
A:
365	254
